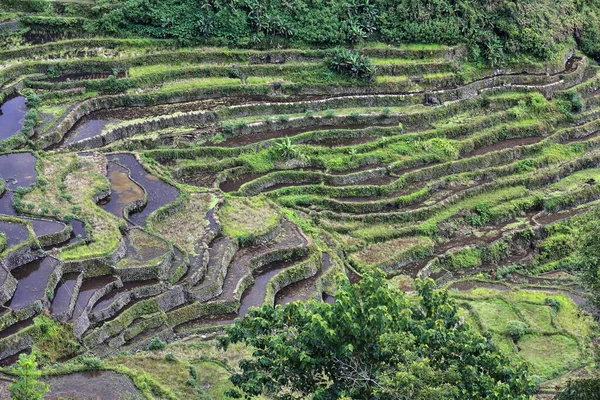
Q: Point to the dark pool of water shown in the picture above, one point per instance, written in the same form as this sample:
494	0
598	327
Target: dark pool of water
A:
18	169
254	296
302	290
328	299
5	362
108	299
77	234
86	128
32	279
233	184
505	144
159	192
6	207
91	385
15	233
123	190
63	293
46	227
14	328
12	115
88	288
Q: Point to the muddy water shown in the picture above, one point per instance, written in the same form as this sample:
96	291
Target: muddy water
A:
341	141
108	299
93	124
14	232
551	218
254	296
88	288
77	234
244	140
12	115
91	385
31	282
86	128
18	169
302	290
43	227
6	207
505	144
123	190
159	192
5	362
14	328
63	293
583	138
78	228
233	184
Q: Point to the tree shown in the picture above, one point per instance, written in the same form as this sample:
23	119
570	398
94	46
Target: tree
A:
582	389
25	386
588	257
372	342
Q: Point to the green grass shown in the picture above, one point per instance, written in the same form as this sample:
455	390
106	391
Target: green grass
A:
245	218
494	314
401	61
210	82
550	355
214	379
538	317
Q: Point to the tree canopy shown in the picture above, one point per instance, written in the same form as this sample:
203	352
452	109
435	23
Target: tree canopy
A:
372	342
495	31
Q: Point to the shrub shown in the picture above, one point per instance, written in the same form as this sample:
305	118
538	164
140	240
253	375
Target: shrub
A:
582	389
91	362
516	329
555	304
353	64
156	344
26	386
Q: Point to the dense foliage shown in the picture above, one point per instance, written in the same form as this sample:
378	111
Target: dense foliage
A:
26	386
373	342
583	389
588	258
496	31
353	64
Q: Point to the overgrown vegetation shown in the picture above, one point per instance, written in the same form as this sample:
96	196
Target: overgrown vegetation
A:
372	342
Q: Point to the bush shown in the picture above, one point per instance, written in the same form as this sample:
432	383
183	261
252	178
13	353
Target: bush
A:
583	389
91	362
351	63
555	304
516	329
156	344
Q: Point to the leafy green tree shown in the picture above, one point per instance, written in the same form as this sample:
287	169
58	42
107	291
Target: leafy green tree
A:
582	389
26	386
588	259
372	343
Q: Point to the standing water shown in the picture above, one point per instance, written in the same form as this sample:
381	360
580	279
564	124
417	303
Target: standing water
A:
12	115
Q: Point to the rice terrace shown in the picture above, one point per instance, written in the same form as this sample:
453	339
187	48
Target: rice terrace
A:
166	168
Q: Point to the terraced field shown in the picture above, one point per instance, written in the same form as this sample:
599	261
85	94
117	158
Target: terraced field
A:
151	192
